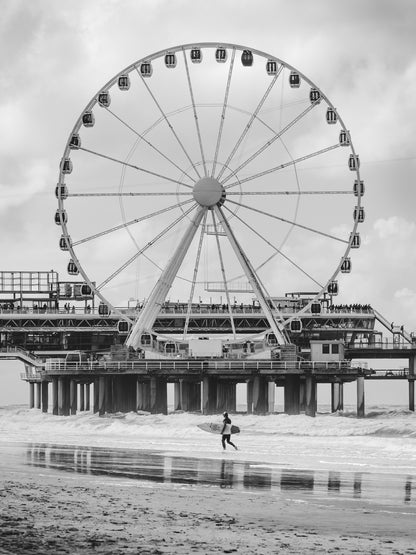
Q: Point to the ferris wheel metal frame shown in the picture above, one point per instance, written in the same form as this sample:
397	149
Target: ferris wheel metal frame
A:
209	188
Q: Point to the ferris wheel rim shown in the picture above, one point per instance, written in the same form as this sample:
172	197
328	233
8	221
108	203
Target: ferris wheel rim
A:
159	54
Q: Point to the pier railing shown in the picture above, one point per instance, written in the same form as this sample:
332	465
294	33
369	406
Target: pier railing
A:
390	373
178	309
385	345
198	367
13	352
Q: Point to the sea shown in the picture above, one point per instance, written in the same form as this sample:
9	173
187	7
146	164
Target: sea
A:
383	441
334	457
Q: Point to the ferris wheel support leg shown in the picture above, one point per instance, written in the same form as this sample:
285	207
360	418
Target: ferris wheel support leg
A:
152	307
251	276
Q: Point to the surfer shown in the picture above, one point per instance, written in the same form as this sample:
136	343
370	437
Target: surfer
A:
226	432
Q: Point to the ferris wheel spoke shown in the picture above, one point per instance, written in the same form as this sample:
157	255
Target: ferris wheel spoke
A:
198	131
290	222
144	249
151	309
252	277
249	124
224	108
277	250
126	164
131	222
166	119
129	194
151	145
194	276
269	143
224	278
287	193
282	166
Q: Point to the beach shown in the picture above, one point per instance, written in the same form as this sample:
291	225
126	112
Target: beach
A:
183	494
72	513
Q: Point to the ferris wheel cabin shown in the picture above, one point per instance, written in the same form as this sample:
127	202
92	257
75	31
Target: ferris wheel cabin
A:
294	79
104	99
196	55
123	82
88	119
271	67
170	60
314	96
221	55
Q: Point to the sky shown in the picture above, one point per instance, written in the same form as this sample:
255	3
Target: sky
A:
54	56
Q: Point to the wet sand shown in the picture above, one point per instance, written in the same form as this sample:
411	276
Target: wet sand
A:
66	500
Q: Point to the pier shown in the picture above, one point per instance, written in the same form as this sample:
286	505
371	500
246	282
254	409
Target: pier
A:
76	360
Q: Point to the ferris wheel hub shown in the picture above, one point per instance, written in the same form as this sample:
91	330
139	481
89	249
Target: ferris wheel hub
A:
208	192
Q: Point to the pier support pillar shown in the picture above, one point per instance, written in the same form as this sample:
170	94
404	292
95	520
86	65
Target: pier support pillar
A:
249	396
412	373
45	400
109	394
310	396
360	397
260	395
177	395
130	393
63	397
73	396
143	396
158	396
31	395
195	396
271	396
87	396
187	395
226	396
292	386
96	407
412	395
209	395
101	387
335	397
55	396
119	392
38	394
302	396
341	396
105	394
124	393
81	397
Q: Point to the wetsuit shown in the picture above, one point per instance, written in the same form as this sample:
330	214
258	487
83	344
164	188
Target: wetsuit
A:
226	433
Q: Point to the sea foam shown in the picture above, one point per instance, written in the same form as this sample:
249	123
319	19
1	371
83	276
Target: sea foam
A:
382	441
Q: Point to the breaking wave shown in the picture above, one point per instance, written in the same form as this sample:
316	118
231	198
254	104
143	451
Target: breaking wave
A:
19	422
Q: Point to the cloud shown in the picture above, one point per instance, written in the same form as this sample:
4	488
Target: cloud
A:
30	178
383	269
394	228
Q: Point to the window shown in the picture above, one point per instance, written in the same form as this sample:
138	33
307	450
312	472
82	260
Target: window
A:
325	349
335	349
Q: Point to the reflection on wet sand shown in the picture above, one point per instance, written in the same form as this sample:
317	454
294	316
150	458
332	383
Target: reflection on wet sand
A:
157	467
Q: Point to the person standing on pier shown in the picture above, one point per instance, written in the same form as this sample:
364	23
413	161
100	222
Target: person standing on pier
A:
226	432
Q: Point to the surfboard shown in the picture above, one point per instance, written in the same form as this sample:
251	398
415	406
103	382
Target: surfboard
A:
215	428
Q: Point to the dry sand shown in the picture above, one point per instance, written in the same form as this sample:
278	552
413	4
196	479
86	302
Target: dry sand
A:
51	512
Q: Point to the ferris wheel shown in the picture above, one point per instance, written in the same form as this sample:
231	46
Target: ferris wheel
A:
209	172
